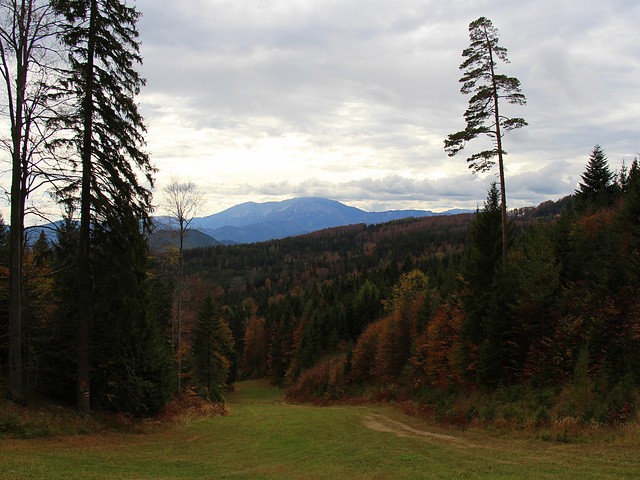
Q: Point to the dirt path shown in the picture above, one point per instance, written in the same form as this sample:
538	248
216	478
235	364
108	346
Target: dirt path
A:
380	423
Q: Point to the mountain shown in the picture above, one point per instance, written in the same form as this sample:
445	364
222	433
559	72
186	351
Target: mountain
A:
258	222
162	239
50	231
255	222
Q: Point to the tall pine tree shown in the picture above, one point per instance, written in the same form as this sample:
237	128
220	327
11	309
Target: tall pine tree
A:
106	131
484	116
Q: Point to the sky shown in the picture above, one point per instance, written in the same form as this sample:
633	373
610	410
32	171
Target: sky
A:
264	100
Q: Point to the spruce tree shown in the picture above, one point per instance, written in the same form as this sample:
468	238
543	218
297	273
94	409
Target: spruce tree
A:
132	362
482	279
631	209
59	354
106	130
212	350
597	189
367	307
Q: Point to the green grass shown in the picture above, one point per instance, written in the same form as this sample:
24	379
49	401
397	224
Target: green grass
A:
265	438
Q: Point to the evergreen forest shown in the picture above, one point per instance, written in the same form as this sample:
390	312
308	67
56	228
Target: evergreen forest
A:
424	309
419	310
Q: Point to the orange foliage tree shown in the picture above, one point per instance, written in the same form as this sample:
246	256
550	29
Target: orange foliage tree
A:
384	348
364	353
437	359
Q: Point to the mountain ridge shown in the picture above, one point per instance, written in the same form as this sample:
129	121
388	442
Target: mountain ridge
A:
251	222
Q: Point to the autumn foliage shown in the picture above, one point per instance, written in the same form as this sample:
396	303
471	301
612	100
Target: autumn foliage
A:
417	310
564	315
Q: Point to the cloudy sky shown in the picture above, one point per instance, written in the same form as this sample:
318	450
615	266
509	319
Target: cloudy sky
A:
258	100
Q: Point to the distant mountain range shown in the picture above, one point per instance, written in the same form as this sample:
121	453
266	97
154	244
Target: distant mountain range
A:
257	222
162	238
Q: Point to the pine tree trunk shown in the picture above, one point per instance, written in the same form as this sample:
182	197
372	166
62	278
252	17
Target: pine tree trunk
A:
503	192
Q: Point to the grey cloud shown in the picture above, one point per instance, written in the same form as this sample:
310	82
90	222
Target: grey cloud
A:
467	188
383	76
466	191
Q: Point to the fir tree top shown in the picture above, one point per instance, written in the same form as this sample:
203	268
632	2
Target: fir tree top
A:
596	189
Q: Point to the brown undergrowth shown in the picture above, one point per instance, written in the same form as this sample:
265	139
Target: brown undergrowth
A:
185	408
45	419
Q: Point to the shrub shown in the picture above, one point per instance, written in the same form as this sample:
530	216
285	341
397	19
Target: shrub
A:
188	406
542	416
514	413
489	412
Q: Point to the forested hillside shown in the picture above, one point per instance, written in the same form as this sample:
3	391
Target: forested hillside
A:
335	279
422	305
420	309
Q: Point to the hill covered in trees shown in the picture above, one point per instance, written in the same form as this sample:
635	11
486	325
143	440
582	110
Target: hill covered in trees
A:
420	309
416	306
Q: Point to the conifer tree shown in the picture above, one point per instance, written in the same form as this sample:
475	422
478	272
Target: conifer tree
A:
367	307
480	274
631	210
132	362
280	347
59	355
538	278
597	187
212	350
483	116
106	130
39	306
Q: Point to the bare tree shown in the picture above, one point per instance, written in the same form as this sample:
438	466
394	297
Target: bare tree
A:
26	33
181	201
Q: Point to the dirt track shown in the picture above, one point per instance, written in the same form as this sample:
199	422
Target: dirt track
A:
380	423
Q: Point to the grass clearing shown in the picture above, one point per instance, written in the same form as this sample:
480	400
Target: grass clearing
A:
266	438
